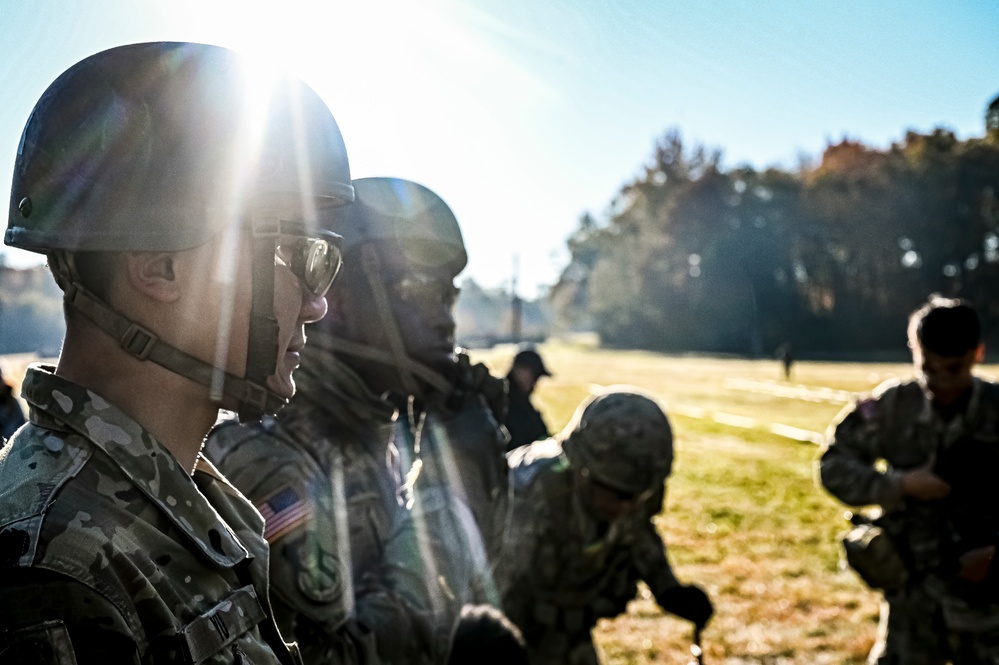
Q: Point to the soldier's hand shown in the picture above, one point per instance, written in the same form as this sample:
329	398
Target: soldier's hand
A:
922	483
975	563
473	380
688	602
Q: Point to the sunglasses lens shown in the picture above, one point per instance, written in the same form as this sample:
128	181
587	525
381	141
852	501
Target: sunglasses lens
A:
417	289
321	262
315	261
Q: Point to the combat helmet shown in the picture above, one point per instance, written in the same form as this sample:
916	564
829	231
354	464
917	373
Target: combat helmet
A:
622	439
162	146
422	226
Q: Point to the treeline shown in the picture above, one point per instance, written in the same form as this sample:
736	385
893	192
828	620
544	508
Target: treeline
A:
31	318
830	257
485	317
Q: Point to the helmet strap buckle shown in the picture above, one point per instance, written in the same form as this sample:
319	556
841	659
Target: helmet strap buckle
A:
255	396
138	341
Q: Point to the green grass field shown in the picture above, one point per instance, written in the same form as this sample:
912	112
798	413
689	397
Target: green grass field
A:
743	515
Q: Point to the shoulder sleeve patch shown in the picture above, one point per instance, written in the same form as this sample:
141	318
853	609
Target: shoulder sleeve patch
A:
283	512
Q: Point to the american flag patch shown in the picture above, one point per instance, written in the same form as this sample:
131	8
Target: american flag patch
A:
283	512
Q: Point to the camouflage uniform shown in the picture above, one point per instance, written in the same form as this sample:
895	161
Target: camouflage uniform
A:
933	617
461	491
561	570
346	571
109	548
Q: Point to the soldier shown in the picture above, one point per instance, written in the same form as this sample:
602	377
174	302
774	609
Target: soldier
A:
346	549
580	534
924	451
523	420
163	182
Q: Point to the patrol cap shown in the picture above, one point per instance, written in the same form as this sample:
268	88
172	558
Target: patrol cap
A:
623	439
531	359
408	214
157	146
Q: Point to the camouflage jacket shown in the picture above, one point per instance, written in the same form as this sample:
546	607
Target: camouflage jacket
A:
873	441
346	572
109	548
460	496
560	569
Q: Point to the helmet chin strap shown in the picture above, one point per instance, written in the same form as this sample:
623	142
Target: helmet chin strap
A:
262	342
253	397
409	370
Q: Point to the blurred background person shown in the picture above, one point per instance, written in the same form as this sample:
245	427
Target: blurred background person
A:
580	535
523	420
11	413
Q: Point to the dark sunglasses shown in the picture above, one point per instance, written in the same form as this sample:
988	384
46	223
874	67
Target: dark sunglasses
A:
425	289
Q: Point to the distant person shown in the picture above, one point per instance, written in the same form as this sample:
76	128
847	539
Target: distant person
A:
11	414
523	420
926	452
580	534
785	354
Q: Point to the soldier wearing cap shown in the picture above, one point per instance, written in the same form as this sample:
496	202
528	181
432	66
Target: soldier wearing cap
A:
580	534
190	257
328	471
523	420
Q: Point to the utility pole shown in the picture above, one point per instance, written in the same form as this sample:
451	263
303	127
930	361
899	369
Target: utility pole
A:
516	305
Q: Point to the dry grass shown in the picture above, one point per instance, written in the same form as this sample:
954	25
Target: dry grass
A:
744	517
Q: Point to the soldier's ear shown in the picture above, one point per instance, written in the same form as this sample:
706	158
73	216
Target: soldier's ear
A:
980	353
152	274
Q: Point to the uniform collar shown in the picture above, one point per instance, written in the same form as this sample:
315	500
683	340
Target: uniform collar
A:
929	416
62	405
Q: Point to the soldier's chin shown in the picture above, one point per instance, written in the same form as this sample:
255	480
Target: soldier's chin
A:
439	360
282	386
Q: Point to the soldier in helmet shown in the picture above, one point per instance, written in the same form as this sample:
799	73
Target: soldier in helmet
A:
580	534
925	452
327	471
190	256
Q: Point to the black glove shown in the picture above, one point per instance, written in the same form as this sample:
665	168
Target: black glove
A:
471	380
688	602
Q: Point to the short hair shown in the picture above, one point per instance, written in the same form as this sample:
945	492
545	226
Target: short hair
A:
94	269
948	326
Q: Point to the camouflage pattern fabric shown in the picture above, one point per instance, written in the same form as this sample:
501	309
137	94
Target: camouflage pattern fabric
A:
347	568
933	618
560	570
461	490
110	549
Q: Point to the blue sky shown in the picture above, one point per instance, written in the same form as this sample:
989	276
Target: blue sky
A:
524	114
